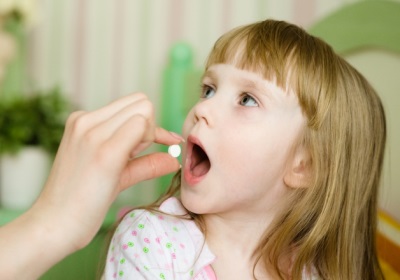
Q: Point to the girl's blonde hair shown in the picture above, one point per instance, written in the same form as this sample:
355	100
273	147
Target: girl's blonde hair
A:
330	226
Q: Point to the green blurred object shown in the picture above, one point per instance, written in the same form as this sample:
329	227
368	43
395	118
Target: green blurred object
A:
361	25
14	82
174	81
181	81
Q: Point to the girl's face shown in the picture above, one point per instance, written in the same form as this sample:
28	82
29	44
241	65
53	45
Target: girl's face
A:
240	138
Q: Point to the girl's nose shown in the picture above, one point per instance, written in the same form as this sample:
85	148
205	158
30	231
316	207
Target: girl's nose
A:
203	112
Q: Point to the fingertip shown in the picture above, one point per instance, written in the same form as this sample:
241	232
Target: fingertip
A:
165	164
163	136
177	136
149	167
174	163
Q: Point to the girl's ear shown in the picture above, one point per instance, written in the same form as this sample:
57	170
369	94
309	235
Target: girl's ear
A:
298	172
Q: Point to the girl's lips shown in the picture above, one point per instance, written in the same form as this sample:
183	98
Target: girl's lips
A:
197	163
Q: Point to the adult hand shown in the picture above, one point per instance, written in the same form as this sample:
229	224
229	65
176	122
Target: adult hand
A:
95	162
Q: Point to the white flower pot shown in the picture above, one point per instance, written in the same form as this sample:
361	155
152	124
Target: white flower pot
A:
22	177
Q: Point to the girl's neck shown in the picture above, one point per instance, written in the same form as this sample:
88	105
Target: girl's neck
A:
233	238
238	230
239	235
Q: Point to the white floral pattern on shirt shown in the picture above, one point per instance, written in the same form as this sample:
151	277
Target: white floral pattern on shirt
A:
150	245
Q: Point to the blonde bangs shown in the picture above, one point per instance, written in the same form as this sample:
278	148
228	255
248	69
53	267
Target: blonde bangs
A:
247	48
286	55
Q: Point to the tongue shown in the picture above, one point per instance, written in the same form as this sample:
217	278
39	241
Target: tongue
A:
200	162
201	168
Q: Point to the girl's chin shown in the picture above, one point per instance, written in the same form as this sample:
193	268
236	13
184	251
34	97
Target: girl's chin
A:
191	203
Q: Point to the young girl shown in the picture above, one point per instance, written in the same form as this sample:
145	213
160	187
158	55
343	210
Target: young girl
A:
280	170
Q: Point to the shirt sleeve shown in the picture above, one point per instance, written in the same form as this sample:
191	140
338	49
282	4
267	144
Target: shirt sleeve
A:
150	245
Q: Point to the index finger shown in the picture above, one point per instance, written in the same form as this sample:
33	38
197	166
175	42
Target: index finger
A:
163	136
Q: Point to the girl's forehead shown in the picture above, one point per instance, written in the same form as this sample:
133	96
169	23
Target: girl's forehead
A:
232	53
241	61
243	74
255	54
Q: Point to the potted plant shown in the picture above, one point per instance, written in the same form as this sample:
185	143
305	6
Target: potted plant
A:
30	131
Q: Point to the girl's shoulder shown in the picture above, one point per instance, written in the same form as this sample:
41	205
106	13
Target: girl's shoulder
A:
171	218
158	244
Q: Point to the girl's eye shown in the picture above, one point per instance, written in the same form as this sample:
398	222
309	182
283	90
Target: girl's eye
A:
207	92
247	100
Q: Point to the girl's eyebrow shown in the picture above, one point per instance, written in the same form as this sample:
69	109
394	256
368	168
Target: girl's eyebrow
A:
209	74
254	86
249	84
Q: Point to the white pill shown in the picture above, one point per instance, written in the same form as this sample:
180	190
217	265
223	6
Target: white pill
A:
174	150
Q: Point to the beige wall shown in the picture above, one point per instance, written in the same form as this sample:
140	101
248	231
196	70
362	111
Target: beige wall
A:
99	50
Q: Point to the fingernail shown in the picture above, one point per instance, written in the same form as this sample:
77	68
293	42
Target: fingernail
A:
177	136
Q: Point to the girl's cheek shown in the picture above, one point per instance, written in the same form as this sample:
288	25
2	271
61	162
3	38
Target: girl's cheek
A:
187	124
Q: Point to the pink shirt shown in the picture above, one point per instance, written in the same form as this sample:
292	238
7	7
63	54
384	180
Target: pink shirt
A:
150	245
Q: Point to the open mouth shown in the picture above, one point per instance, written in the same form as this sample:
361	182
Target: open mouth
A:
199	162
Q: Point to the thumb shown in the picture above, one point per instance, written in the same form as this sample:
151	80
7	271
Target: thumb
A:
147	167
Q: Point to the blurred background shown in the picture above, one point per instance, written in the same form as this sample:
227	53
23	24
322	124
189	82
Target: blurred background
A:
81	54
